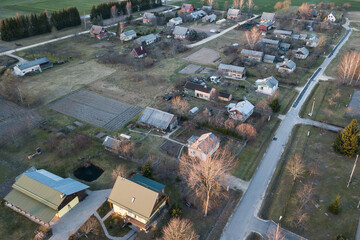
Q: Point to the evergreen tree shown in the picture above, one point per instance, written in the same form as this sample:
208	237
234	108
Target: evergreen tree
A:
338	144
349	139
93	13
4	30
147	170
275	105
34	24
335	206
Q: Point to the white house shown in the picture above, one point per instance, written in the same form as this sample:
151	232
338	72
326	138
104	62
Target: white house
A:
203	147
240	111
176	21
286	66
267	85
209	18
312	42
32	66
301	53
332	17
128	35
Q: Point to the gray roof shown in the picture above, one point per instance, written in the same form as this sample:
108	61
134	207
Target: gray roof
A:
198	13
192	139
64	185
230	67
233	11
270	41
129	33
269	58
180	30
269	81
285	45
206	142
148	15
285	32
157	118
289	63
251	52
176	19
268	16
303	50
110	142
147	37
32	63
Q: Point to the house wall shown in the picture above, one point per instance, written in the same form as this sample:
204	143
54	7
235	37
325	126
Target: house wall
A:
19	72
284	69
203	95
68	207
300	56
125	212
266	90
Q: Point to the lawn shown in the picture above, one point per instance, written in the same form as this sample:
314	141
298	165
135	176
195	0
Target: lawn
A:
115	225
329	179
104	209
330	103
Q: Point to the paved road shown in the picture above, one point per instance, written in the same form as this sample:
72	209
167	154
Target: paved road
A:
241	222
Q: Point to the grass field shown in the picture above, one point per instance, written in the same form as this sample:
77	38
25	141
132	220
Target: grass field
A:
332	174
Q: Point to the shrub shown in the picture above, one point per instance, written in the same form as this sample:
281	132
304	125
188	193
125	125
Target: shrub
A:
147	170
175	211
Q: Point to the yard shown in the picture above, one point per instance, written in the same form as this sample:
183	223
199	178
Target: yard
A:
329	173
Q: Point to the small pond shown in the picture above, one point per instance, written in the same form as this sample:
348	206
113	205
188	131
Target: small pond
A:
88	172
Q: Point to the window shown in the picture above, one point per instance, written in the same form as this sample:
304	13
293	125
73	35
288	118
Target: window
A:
133	199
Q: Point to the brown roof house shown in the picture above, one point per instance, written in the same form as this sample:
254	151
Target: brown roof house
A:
139	52
199	91
111	144
180	32
139	200
252	55
241	110
43	196
232	71
158	119
233	13
267	21
203	147
286	66
99	32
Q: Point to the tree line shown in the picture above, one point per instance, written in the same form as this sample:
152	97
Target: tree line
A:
22	26
104	10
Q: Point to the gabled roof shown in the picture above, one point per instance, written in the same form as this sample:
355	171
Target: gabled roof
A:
270	41
268	16
284	32
288	63
233	12
285	45
148	15
140	51
110	142
198	87
136	195
181	31
32	63
148	37
252	52
176	19
95	29
332	13
244	107
187	6
303	51
269	81
129	33
269	58
206	143
156	118
198	13
230	67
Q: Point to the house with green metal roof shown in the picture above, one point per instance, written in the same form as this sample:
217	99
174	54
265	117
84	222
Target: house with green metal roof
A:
139	200
43	196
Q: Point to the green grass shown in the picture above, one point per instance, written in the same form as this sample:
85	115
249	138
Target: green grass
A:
115	225
104	209
333	174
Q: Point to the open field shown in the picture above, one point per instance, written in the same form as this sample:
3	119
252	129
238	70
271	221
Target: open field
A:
204	56
96	109
330	175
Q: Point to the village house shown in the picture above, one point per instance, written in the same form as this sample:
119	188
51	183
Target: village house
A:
199	91
98	32
266	26
180	32
187	7
148	39
301	53
209	18
267	21
224	96
252	55
139	52
111	144
232	71
233	13
312	41
43	196
270	42
207	8
240	111
128	35
267	86
282	34
198	14
176	21
138	200
269	58
286	66
148	18
32	66
158	119
285	46
203	147
332	17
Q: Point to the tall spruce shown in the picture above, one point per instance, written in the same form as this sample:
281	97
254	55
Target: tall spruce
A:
346	142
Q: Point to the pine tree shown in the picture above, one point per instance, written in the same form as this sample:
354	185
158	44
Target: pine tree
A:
335	206
349	138
147	170
93	13
275	105
338	144
4	30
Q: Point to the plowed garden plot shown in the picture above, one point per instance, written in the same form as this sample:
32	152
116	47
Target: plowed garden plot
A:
204	56
96	109
171	148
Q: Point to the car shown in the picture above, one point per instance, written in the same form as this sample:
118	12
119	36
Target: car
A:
168	98
213	30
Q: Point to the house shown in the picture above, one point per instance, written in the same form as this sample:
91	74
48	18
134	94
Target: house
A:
199	91
207	8
180	32
176	21
198	14
313	41
158	119
233	13
187	7
266	26
240	111
282	34
285	46
128	35
252	55
270	42
224	96
332	17
269	58
98	32
148	18
139	52
286	66
203	147
111	144
43	196
301	53
232	70
303	36
32	66
138	200
295	36
267	17
148	39
267	86
209	18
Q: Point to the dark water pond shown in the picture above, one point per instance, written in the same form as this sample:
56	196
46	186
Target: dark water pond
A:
88	173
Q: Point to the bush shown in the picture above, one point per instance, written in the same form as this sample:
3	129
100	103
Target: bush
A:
275	105
334	208
341	237
175	211
228	132
147	170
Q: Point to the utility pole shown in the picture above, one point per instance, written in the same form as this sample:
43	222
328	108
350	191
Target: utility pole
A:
312	108
352	172
84	21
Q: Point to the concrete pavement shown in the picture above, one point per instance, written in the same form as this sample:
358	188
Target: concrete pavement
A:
241	223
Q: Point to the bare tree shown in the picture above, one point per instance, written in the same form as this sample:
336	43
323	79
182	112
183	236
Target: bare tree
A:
247	130
205	177
128	8
179	229
235	3
180	105
298	218
10	87
230	123
89	226
349	69
275	234
210	2
252	37
250	4
305	10
241	5
278	6
296	167
263	107
119	171
304	195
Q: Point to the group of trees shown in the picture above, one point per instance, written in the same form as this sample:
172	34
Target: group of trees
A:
22	26
349	69
282	5
241	4
346	142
